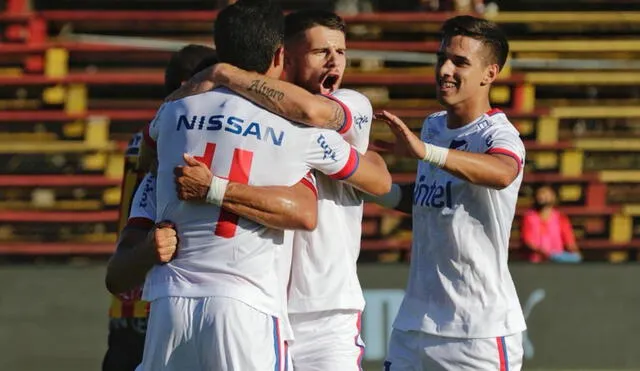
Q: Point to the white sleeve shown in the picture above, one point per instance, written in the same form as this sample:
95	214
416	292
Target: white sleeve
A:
358	117
143	206
329	153
151	130
504	140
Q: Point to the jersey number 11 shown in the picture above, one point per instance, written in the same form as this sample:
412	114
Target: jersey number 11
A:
239	173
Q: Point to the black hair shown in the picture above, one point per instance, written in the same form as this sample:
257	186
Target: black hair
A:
183	63
248	33
480	29
298	22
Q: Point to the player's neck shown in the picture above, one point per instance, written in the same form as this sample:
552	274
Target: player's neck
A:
466	112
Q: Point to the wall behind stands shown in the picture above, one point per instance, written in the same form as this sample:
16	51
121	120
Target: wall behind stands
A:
53	317
580	316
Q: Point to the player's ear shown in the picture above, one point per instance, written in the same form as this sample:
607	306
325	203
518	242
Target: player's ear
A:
490	74
278	57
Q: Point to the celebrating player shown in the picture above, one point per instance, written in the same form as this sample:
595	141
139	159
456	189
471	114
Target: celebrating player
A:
128	314
325	297
460	310
216	304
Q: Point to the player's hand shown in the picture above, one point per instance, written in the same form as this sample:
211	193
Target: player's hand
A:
164	240
407	144
199	83
192	180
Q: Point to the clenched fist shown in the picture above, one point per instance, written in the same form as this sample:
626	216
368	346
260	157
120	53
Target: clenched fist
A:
164	241
192	180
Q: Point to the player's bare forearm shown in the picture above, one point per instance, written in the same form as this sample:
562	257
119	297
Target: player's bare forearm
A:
489	170
278	207
372	175
129	265
281	97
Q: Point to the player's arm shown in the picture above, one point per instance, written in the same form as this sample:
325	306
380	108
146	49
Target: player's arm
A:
400	198
371	174
492	169
277	96
148	157
331	154
139	248
140	244
280	207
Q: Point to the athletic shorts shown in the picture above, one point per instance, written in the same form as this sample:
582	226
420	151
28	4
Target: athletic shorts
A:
418	351
211	333
326	341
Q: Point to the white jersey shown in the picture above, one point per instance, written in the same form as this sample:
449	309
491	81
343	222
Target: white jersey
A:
143	210
323	272
459	283
143	205
221	254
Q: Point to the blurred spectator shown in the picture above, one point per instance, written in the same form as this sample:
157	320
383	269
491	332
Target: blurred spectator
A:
546	232
461	6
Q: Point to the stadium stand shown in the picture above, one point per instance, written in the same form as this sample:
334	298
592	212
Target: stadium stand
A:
72	93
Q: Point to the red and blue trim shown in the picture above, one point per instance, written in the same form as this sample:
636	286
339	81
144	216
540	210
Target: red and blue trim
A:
506	152
502	353
278	346
348	118
307	181
358	341
349	168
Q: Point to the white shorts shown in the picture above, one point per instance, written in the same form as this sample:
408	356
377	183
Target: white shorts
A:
327	341
211	333
418	351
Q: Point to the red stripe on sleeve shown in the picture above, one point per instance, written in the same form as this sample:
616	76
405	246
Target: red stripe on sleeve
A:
348	118
140	222
309	184
506	152
147	138
349	168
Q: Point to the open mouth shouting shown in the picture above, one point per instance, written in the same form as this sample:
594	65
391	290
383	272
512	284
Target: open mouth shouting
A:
329	82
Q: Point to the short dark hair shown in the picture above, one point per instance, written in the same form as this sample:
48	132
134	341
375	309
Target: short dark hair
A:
183	63
298	22
480	29
248	33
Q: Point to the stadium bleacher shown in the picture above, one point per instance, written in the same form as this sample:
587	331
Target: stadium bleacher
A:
70	99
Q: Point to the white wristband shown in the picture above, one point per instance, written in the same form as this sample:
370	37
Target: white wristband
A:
217	188
435	155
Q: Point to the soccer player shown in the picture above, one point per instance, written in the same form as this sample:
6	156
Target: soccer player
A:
325	298
460	310
216	304
141	246
128	314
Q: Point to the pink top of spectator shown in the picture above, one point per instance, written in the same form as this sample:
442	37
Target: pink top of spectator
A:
551	235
